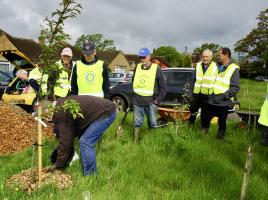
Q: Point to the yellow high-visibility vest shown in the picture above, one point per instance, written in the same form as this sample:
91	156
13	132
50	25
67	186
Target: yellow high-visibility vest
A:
89	78
263	119
222	83
144	80
63	84
205	82
36	75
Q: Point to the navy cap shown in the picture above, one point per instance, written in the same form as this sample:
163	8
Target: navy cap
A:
144	52
88	48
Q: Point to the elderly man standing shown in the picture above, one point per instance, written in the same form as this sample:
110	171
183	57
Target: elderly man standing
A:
60	86
203	80
225	87
149	88
90	75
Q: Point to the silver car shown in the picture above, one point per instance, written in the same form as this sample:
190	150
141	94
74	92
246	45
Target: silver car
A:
119	78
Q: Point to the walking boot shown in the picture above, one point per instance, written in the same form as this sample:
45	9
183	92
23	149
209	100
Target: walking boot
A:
136	134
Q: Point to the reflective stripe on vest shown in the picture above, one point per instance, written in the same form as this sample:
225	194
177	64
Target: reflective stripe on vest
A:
222	83
36	75
144	80
63	84
204	82
89	78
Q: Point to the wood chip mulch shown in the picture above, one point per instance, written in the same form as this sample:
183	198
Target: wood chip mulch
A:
18	129
27	180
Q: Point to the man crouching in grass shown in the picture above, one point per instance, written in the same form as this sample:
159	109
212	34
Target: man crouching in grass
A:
98	115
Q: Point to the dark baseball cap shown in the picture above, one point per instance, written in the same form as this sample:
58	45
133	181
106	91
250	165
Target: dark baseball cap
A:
88	48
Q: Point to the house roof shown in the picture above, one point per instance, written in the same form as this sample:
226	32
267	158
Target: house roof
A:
107	56
132	57
32	49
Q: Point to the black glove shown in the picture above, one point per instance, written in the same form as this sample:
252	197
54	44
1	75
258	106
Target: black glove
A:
51	168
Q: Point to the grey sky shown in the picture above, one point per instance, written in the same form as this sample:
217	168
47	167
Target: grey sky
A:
135	24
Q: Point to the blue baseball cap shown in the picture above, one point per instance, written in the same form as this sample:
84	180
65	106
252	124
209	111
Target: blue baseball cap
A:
144	52
88	48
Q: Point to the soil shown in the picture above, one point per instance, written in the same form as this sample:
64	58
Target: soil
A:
27	180
18	129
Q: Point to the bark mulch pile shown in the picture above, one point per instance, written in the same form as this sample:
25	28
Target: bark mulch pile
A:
27	180
17	129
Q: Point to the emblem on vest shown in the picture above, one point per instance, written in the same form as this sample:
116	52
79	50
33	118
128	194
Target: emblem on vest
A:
142	82
89	76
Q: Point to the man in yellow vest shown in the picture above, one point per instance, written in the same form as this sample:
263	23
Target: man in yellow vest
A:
225	87
35	77
263	120
60	86
90	75
203	80
149	88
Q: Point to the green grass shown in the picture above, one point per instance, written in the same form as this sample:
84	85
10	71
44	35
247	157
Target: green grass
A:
252	94
165	165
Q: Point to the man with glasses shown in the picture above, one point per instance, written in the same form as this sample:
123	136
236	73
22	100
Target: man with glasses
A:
149	88
90	75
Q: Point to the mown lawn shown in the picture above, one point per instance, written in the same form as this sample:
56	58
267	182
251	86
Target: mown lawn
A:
252	94
165	165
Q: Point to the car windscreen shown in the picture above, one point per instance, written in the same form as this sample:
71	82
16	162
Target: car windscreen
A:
181	77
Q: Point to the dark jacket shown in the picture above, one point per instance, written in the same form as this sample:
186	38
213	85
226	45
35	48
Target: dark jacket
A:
93	109
105	75
160	90
225	98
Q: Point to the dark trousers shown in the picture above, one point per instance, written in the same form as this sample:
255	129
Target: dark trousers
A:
217	111
196	103
264	139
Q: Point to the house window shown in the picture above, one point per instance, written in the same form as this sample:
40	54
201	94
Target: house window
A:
120	69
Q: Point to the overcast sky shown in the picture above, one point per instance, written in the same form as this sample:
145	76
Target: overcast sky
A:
142	23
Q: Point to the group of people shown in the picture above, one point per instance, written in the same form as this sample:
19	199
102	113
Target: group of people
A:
86	81
213	88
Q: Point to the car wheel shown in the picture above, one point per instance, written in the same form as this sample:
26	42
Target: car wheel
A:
119	103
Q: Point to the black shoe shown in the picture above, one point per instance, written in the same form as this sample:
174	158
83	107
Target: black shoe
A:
220	135
204	130
264	142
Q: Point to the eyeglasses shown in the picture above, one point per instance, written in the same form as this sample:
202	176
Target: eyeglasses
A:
142	57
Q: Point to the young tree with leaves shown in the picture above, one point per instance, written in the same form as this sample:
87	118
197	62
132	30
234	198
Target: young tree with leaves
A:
53	37
101	44
211	46
171	55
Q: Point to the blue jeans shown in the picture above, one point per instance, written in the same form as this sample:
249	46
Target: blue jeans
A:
138	115
89	139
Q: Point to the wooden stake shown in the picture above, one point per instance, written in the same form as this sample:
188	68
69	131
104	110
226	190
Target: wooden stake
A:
248	167
39	142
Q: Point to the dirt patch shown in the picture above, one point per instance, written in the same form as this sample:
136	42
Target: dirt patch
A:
27	180
17	129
